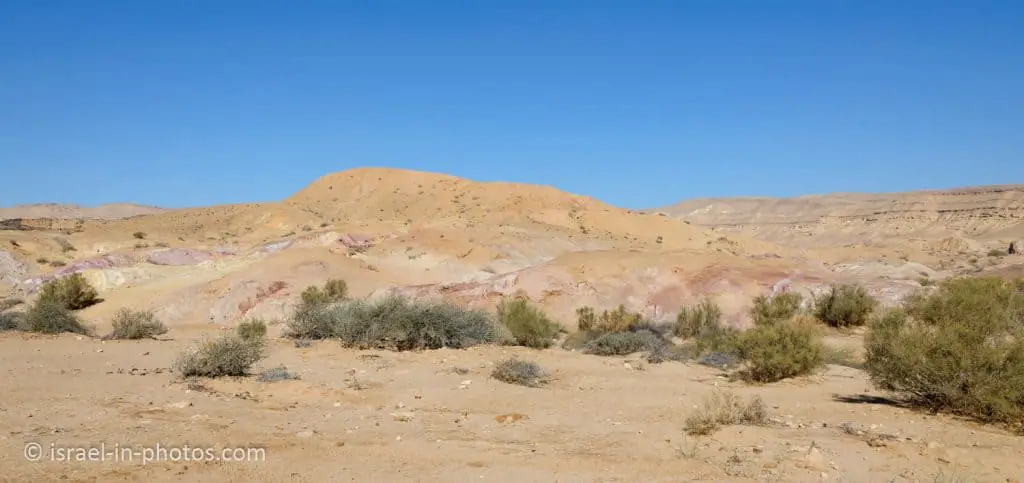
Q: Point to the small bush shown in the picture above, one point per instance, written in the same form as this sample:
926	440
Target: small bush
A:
586	319
251	329
717	338
11	321
224	356
42	260
65	245
47	316
995	252
958	349
139	235
725	408
334	290
691	321
275	374
528	324
396	323
618	320
72	292
844	306
768	310
780	350
132	325
523	373
624	343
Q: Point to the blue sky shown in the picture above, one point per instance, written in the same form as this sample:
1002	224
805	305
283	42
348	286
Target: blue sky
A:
637	103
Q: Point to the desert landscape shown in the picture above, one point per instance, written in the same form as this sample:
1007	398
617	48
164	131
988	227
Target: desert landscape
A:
656	382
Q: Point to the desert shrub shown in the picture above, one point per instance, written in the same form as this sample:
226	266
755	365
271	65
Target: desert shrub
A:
958	349
691	321
48	316
618	320
995	252
725	408
251	329
334	290
65	245
624	343
395	322
11	320
9	303
844	306
279	373
72	292
228	355
528	324
780	350
523	373
132	324
586	319
767	310
140	235
717	338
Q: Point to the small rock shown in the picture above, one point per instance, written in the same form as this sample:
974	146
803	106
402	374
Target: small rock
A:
337	404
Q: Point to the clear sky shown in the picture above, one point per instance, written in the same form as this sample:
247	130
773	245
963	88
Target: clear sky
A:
637	103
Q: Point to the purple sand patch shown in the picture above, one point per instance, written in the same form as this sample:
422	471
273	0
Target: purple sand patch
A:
353	240
179	256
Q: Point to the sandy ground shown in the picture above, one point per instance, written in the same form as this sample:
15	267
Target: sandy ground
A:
438	416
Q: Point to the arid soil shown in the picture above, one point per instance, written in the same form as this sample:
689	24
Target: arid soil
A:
437	415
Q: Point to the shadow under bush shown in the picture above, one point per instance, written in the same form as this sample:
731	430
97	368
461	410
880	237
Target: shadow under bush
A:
959	349
396	323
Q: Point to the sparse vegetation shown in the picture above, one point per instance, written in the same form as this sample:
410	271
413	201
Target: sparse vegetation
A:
783	306
780	350
132	325
228	355
251	329
692	321
995	252
334	290
42	260
139	235
523	373
57	263
72	292
725	408
65	245
396	323
49	316
275	374
528	324
844	306
624	343
959	349
586	319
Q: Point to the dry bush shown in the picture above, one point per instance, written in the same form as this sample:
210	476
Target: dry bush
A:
334	290
528	325
995	252
11	320
618	320
725	408
251	329
131	324
396	323
49	316
225	356
691	321
624	343
140	235
844	306
65	245
780	350
958	349
784	306
523	373
279	373
586	319
72	292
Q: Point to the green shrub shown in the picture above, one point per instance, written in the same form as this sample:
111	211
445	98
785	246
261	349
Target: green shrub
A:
586	319
251	329
691	321
334	290
528	324
131	324
48	316
523	373
72	292
844	306
724	408
11	320
780	350
768	310
396	323
228	355
624	343
958	349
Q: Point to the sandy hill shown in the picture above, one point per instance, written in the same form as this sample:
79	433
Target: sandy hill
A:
70	211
